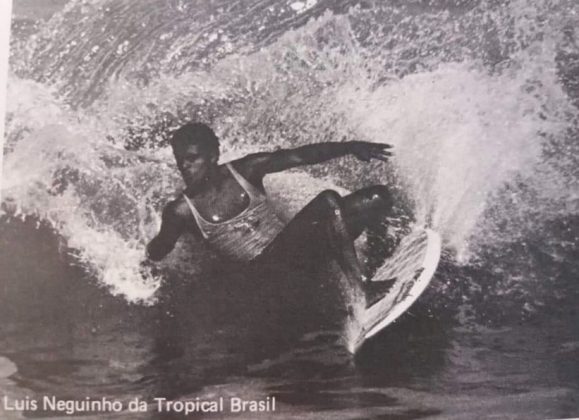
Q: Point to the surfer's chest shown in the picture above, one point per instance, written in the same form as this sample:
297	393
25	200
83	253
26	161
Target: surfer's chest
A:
225	202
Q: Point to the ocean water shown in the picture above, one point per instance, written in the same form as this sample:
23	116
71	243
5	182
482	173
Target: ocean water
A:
479	100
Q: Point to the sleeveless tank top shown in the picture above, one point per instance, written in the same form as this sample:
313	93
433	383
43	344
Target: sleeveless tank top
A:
246	235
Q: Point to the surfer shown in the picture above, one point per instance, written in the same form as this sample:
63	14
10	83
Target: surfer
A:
226	206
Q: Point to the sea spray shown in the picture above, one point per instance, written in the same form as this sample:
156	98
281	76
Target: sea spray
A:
80	188
471	97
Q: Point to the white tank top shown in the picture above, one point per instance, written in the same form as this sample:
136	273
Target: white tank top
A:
246	235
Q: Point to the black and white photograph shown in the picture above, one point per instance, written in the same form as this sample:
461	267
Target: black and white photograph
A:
290	209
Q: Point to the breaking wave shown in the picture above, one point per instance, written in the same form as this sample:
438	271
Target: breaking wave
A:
479	99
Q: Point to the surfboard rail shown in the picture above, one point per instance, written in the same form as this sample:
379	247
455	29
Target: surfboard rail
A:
402	294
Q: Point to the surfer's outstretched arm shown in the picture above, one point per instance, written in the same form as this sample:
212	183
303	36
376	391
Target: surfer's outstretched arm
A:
172	225
265	163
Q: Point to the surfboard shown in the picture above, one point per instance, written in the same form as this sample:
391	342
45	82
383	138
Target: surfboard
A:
409	271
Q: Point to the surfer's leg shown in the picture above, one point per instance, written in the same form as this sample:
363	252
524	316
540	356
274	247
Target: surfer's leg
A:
366	210
319	227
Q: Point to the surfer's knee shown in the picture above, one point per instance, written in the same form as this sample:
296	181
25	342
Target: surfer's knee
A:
377	196
331	199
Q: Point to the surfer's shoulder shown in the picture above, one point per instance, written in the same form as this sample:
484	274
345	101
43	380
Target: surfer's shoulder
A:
250	166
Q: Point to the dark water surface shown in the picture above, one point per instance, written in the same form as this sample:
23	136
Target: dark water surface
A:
479	99
69	338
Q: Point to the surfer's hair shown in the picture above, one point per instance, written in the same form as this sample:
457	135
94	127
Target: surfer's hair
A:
194	133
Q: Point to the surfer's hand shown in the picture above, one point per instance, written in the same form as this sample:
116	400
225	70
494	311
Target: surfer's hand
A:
365	151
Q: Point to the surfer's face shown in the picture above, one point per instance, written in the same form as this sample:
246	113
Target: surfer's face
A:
197	163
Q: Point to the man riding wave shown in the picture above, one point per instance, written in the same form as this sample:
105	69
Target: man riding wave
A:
225	205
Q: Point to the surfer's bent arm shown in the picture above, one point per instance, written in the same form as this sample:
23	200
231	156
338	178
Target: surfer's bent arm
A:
172	225
264	163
